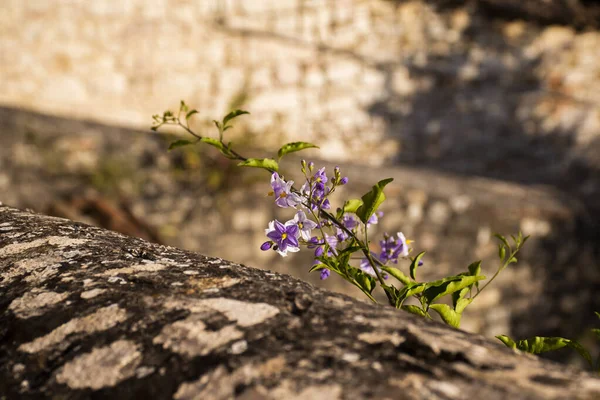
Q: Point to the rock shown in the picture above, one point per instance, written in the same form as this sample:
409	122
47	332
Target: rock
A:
262	335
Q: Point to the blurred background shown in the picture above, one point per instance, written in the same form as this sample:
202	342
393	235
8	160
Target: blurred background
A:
486	113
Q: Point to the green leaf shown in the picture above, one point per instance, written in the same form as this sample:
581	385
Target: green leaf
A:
180	143
218	125
414	264
366	281
349	250
461	304
409	290
232	115
317	267
183	107
189	114
449	316
595	312
502	239
396	273
372	200
508	342
265	163
582	351
597	333
218	144
415	310
448	285
501	251
542	344
474	268
295	146
350	206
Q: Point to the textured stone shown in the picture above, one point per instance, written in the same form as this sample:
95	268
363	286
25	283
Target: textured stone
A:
185	344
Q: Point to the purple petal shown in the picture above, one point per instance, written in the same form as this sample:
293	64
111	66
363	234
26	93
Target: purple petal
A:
292	240
274	236
279	227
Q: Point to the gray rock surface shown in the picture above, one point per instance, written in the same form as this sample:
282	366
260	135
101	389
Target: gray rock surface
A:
90	313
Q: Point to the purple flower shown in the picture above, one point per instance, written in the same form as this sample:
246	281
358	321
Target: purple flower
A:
266	245
304	224
320	245
285	237
344	180
315	191
284	197
374	219
349	221
341	235
390	249
320	176
325	272
405	243
366	266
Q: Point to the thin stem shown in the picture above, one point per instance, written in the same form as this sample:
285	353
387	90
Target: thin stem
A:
506	263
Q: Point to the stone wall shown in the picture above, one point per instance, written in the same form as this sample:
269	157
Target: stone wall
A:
369	80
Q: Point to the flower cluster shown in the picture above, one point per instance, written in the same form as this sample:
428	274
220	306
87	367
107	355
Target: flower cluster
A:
337	237
326	236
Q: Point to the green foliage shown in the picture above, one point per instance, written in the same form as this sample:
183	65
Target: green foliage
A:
265	163
293	147
449	285
350	206
449	316
415	264
233	114
542	344
372	200
180	143
396	273
415	310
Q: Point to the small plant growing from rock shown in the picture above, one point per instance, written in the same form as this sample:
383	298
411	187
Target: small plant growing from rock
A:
340	239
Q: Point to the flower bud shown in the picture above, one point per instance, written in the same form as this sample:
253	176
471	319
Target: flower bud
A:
325	272
319	251
266	246
344	180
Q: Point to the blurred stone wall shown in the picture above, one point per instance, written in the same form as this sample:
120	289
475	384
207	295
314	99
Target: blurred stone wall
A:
369	80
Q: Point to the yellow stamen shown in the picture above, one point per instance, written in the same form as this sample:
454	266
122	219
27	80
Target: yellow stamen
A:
271	193
284	236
